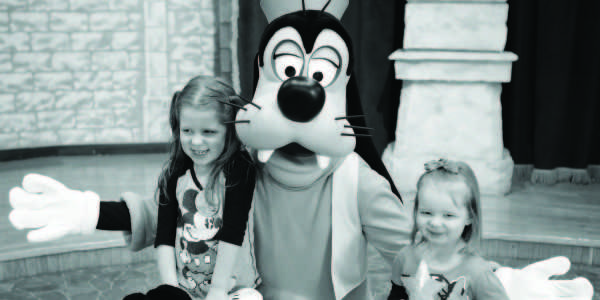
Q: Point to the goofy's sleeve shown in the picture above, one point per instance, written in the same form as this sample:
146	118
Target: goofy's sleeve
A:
136	216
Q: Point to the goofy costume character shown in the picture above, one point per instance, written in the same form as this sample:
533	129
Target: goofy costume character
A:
321	191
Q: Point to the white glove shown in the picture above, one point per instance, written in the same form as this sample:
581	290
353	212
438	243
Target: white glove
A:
533	282
46	203
246	294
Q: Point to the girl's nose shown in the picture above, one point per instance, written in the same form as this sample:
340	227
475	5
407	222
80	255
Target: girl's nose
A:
197	140
435	221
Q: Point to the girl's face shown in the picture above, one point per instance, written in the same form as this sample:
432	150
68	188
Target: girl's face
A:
202	135
440	219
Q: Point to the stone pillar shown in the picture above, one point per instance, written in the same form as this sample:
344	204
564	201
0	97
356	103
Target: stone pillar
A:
452	68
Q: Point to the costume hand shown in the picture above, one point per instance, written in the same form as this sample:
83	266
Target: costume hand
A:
245	294
533	282
47	204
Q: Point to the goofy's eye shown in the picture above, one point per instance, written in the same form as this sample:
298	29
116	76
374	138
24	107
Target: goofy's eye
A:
287	65
324	66
287	60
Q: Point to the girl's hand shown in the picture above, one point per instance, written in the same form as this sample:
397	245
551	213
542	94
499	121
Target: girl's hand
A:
217	294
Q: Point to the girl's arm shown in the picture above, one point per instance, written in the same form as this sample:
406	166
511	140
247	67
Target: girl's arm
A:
166	265
222	280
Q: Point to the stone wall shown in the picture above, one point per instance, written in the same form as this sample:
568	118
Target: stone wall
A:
80	72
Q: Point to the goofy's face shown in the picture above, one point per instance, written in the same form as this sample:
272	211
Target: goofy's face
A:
300	96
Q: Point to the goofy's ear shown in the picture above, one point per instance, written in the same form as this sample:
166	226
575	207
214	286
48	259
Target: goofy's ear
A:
274	9
365	146
255	68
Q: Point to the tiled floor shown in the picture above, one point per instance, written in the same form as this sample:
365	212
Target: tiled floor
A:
113	283
102	283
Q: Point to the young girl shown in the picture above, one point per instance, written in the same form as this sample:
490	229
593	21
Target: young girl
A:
442	261
204	195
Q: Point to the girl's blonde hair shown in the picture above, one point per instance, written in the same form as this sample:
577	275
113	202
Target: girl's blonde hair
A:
459	181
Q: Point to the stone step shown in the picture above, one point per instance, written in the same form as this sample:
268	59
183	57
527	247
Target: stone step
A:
456	66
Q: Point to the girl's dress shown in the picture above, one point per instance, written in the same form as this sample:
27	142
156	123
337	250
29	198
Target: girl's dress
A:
194	229
471	279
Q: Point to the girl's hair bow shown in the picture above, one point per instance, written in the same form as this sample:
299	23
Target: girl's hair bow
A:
441	164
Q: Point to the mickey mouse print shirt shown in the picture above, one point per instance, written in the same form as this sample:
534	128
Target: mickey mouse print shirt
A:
472	279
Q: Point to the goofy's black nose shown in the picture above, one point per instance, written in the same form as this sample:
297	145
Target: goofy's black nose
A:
300	99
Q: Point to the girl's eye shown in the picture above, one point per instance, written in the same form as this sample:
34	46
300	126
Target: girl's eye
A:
449	215
425	213
210	132
186	131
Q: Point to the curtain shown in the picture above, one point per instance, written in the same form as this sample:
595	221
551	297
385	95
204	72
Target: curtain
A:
551	107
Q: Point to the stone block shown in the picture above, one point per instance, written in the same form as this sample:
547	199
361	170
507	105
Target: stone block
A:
28	21
157	88
4	21
9	140
31	61
184	5
48	5
34	101
136	60
192	22
91	40
225	11
113	99
450	119
16	82
76	136
97	118
157	64
56	119
128	117
89	5
156	13
92	80
12	42
156	121
10	5
51	81
68	21
136	22
109	60
126	80
191	47
6	63
127	41
109	21
74	100
7	103
453	66
73	61
38	139
50	41
477	26
125	4
206	66
156	39
114	135
16	122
